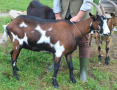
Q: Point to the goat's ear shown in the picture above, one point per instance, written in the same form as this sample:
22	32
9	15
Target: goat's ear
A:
92	16
112	14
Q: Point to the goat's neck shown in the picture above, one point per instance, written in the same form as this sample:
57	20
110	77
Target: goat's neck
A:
110	24
83	27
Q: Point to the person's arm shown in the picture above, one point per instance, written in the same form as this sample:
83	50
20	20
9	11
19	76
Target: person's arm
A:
84	7
57	9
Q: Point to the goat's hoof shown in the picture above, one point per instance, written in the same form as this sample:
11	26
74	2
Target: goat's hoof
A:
55	86
106	63
73	80
54	82
107	59
17	69
16	76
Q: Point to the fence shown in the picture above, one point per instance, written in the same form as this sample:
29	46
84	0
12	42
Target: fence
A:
108	6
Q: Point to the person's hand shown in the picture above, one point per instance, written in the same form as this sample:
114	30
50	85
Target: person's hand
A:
75	19
58	16
78	17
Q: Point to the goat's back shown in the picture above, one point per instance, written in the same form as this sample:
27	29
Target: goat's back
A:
33	30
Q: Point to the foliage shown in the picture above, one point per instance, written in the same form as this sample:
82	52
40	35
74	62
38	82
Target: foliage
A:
96	1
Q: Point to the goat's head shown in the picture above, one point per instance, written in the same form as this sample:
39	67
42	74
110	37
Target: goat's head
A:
100	21
100	24
114	19
113	15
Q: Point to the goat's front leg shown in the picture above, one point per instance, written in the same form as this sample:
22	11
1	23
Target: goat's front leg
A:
99	48
108	43
14	54
56	68
70	65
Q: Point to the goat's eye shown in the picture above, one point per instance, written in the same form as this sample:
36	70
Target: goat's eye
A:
98	20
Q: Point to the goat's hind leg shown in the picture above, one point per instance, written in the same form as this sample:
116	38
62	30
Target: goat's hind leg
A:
14	54
12	60
56	68
70	65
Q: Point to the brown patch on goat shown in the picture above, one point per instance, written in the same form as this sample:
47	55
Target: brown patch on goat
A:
15	51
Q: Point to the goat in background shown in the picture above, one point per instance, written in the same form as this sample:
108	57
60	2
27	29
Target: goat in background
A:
37	9
112	22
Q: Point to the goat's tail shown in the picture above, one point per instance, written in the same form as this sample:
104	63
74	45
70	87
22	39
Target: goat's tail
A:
5	35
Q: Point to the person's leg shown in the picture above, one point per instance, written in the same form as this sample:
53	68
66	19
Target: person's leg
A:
83	69
84	53
51	67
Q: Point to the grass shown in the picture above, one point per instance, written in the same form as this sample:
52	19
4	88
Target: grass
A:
6	5
32	66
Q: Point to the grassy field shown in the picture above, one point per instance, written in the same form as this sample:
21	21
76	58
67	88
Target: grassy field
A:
6	5
32	65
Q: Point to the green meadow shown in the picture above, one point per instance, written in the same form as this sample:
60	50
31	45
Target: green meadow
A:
32	65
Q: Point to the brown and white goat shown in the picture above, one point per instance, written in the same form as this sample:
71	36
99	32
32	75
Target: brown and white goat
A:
59	37
112	22
37	9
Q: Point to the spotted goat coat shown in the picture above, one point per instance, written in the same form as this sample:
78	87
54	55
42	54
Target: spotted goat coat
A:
57	36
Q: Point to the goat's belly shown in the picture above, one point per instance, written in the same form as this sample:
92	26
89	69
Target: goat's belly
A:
106	38
39	47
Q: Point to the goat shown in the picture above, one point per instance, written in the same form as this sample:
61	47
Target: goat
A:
59	37
112	22
37	9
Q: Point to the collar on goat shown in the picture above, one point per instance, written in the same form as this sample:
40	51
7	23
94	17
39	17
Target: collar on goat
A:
77	28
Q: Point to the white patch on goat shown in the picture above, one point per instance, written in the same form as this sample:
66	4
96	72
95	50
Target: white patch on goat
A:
16	48
59	49
91	32
14	64
15	37
99	27
44	39
49	29
90	24
105	27
23	25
